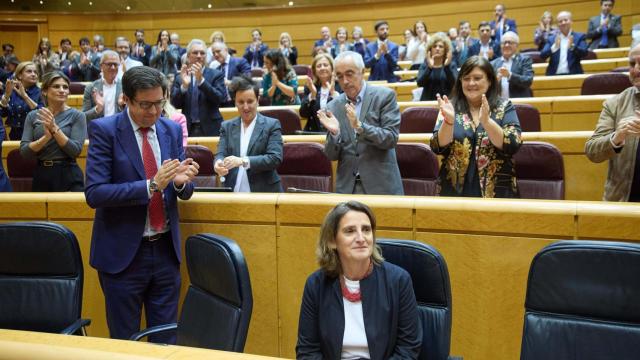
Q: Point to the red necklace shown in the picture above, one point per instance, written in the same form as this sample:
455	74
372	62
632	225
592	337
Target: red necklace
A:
354	296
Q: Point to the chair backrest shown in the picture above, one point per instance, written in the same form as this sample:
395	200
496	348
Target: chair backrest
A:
418	119
583	302
217	308
76	88
534	55
303	70
539	171
306	166
606	83
418	169
289	119
257	72
620	69
41	277
591	55
432	288
528	116
20	171
204	157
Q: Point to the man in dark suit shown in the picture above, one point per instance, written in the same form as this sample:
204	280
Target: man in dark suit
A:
485	47
141	51
514	71
104	97
229	65
382	55
363	126
566	48
325	41
462	44
250	147
136	170
85	66
605	28
199	91
501	24
175	40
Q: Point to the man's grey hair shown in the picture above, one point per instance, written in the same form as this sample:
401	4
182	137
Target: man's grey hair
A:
174	35
108	53
566	13
357	58
512	35
195	42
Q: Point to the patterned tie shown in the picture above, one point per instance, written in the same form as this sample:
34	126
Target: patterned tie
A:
195	93
157	219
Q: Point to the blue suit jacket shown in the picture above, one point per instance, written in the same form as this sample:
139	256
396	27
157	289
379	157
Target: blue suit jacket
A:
265	152
116	187
508	25
389	308
574	55
258	55
238	66
382	68
521	75
474	49
211	96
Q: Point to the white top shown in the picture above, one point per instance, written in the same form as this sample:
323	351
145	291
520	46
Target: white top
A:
109	97
354	341
504	82
324	97
563	64
416	51
242	180
484	50
128	64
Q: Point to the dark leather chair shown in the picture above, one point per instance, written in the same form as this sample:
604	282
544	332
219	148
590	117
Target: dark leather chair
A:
41	278
535	56
529	117
418	169
257	72
605	83
583	302
432	288
218	305
204	157
539	171
76	88
289	119
303	70
621	69
305	167
591	55
20	171
419	119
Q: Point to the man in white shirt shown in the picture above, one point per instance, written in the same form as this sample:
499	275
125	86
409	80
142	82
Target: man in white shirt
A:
126	61
514	71
566	48
103	97
485	47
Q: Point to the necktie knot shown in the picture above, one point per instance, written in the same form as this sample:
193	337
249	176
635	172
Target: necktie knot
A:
144	131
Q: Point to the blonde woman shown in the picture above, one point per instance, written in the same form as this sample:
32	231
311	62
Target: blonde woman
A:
288	50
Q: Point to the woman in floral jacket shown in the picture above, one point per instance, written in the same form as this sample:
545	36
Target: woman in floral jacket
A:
476	133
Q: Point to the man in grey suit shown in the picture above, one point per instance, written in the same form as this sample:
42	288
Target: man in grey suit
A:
103	97
363	124
250	145
605	28
514	71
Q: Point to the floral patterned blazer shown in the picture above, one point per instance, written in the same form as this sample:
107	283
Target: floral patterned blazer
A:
495	167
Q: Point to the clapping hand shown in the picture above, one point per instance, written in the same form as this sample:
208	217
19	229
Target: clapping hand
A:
220	169
503	72
570	41
48	121
329	121
350	110
98	99
196	70
312	89
449	58
557	42
484	111
187	170
446	109
17	85
430	59
167	173
185	73
490	53
627	126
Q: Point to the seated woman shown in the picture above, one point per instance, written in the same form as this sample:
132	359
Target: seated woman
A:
21	95
477	133
342	42
417	46
280	82
164	55
437	74
45	58
357	306
250	147
288	50
55	135
319	92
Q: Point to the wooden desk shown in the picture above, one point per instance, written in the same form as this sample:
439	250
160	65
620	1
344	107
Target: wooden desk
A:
27	345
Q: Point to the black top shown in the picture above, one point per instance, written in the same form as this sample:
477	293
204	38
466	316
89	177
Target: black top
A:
436	80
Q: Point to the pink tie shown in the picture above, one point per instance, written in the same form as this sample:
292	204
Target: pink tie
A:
156	208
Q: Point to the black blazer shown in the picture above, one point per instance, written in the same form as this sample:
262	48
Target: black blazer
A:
389	308
309	109
436	80
521	75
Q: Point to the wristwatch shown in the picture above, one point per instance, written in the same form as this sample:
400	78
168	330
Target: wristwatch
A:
153	186
245	162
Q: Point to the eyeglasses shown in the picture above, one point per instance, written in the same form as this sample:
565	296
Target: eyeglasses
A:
509	42
111	64
146	105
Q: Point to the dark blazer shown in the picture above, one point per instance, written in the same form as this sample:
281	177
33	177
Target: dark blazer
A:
211	96
361	48
382	68
574	55
614	29
82	72
389	310
89	106
508	25
237	66
293	55
309	109
143	59
264	152
436	81
474	49
521	75
461	55
117	188
258	55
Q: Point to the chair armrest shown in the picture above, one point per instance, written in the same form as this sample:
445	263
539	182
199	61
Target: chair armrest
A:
77	325
153	330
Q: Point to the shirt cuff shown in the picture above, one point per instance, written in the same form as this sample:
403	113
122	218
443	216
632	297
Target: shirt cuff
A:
149	193
178	189
554	48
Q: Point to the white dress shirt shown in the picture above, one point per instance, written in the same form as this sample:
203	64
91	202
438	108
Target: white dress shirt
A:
242	180
504	82
109	97
563	64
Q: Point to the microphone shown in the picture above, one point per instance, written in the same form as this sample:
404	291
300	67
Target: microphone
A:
296	190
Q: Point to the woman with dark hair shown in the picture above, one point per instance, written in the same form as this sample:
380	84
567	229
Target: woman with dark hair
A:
437	74
164	55
318	92
280	83
255	52
417	46
356	306
21	95
45	58
476	133
55	135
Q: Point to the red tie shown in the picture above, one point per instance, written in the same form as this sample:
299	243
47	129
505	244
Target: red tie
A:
156	208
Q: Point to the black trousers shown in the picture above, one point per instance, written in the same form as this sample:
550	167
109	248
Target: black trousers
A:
58	176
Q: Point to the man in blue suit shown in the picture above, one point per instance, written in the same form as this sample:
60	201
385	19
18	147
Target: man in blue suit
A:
230	66
135	172
485	46
382	55
501	24
199	91
566	48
